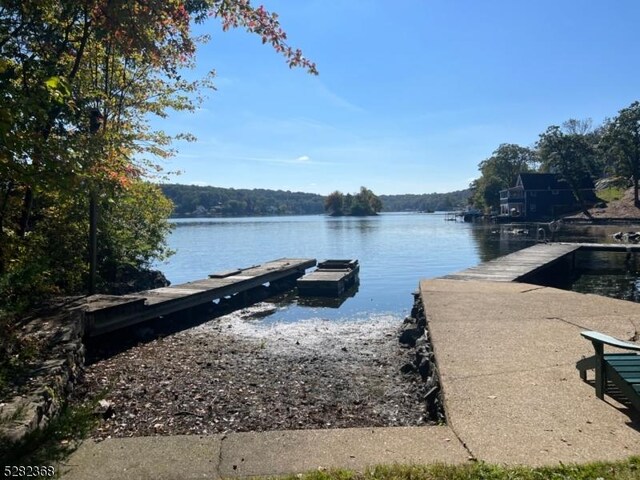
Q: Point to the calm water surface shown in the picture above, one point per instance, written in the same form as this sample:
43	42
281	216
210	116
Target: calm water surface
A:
395	251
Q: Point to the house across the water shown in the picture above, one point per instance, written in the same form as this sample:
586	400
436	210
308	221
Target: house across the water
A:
539	196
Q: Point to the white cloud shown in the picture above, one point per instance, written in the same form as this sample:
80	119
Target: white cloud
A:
338	101
303	159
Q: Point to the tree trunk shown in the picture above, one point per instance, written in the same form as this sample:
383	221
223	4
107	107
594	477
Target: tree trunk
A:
5	202
636	201
3	211
578	194
93	242
26	212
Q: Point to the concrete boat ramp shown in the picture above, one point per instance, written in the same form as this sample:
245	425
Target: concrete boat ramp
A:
506	353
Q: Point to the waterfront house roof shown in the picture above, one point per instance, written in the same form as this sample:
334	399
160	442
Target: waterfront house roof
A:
548	181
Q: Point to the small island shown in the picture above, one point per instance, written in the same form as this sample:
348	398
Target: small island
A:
361	204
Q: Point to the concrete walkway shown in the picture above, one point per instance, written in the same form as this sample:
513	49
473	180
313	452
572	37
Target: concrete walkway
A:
267	453
506	353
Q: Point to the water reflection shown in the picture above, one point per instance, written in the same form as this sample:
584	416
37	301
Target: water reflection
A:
496	240
329	302
612	274
362	224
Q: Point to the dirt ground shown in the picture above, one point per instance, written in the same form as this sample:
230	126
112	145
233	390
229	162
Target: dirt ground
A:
240	373
623	208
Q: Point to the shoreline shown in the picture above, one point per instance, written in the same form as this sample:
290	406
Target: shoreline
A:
235	374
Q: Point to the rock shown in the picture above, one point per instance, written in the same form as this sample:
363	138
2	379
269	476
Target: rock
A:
128	279
408	368
619	182
105	409
422	345
409	336
424	368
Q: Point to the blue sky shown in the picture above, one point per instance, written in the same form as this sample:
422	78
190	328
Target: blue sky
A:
411	95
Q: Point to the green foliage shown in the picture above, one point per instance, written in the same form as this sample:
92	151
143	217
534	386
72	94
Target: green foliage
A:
334	204
52	259
572	155
133	226
79	85
611	194
500	172
427	202
624	470
621	144
363	203
197	201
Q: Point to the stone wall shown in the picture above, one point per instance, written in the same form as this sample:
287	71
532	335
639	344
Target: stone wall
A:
421	359
45	387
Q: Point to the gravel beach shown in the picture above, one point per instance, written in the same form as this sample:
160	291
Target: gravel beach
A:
241	373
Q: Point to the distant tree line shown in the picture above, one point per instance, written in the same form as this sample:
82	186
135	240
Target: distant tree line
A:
363	203
576	151
197	201
426	202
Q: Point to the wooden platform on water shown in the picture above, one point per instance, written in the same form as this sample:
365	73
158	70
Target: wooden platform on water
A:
108	313
523	264
331	278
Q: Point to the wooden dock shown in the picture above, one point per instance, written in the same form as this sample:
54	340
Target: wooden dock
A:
331	278
108	313
524	264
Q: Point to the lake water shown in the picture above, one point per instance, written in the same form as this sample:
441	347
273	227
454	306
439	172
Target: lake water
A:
395	251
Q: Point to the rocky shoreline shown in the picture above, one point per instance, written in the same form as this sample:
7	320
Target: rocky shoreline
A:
238	373
235	373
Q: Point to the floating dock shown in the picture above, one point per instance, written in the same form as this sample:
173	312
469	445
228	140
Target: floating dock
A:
106	313
331	278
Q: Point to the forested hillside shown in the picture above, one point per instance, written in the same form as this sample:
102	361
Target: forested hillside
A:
427	202
197	201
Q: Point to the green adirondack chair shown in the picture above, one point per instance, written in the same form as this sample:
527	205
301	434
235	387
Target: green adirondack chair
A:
620	370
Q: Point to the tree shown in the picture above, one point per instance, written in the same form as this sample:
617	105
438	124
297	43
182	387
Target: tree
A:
621	143
500	172
572	156
334	204
79	81
363	203
487	192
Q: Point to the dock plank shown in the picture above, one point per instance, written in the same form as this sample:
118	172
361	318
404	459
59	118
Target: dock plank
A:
525	262
519	264
176	298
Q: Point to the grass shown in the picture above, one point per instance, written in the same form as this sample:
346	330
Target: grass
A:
611	194
624	470
61	437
